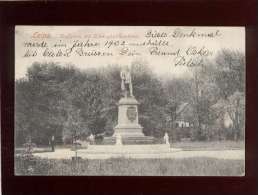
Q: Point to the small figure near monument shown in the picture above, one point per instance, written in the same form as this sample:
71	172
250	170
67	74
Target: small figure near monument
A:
91	138
166	138
118	139
126	84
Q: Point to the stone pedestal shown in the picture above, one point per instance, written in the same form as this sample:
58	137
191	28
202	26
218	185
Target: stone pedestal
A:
128	124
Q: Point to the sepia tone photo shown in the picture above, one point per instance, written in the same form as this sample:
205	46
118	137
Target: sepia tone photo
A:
129	101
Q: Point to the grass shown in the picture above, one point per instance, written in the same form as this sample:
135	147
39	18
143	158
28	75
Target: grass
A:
131	167
209	145
41	149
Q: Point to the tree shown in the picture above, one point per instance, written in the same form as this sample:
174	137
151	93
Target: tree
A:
111	94
150	93
229	76
204	94
230	72
236	111
178	91
23	102
40	100
73	126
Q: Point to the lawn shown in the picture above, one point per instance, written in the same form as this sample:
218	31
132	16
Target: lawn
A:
199	166
209	145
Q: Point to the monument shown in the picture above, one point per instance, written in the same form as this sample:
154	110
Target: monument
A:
128	140
128	123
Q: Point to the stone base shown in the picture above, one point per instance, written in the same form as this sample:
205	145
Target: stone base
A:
129	149
144	140
128	131
128	124
130	140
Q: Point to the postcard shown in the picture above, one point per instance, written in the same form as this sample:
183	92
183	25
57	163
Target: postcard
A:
130	100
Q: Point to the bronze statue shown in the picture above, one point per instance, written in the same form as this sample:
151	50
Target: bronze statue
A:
126	84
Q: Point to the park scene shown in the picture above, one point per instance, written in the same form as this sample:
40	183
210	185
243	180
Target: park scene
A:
125	120
129	101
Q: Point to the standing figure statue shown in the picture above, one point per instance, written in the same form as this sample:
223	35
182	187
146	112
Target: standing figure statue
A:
91	139
118	140
166	138
126	84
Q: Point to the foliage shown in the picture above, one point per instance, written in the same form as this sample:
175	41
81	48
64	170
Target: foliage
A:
230	72
29	147
150	93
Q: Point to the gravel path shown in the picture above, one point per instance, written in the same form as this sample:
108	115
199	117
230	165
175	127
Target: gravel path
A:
173	153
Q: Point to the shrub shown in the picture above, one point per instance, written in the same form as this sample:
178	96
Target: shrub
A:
29	165
99	139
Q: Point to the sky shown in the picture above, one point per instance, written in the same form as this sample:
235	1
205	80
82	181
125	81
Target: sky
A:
230	37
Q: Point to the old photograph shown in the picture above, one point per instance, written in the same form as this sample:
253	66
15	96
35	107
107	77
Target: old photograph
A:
129	101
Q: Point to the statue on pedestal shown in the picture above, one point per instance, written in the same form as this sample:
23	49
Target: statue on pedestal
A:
127	122
126	84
